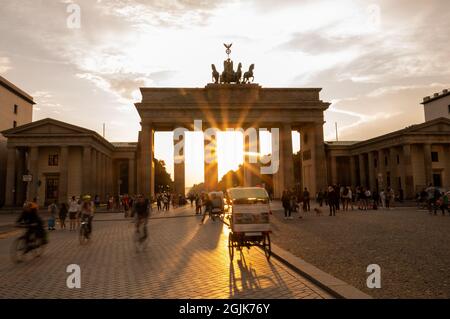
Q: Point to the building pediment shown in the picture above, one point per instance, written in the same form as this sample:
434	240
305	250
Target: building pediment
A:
434	126
47	127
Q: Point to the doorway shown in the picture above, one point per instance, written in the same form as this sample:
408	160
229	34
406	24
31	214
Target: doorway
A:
437	180
51	189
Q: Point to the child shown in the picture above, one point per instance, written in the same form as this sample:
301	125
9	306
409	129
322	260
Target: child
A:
53	210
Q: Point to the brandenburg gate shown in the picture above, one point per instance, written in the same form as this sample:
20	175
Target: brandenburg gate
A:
232	103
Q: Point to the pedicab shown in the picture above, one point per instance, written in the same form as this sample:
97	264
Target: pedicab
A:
249	219
217	205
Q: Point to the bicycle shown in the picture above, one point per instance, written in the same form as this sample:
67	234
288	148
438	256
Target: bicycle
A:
23	247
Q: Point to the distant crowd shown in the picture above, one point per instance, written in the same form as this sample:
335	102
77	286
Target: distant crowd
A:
338	197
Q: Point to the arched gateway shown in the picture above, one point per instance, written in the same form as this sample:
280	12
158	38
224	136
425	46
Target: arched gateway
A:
229	104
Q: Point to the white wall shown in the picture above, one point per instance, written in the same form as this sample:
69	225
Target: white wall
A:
437	108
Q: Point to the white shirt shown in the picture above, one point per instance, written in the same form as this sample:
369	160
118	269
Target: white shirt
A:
73	206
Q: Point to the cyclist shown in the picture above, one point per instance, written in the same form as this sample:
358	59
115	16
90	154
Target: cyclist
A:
87	212
32	222
141	207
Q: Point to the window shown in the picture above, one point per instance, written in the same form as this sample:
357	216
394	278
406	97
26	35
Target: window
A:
14	124
375	163
398	159
53	160
16	108
449	109
385	161
434	157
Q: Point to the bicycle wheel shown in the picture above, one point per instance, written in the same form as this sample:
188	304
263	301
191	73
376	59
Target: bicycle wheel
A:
230	246
38	247
83	237
140	240
18	250
267	247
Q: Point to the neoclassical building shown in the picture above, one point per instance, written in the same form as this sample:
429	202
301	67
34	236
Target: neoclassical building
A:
52	160
16	108
409	159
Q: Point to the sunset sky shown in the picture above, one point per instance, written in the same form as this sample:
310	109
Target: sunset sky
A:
375	60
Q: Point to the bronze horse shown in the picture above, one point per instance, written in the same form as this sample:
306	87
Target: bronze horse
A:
249	74
215	74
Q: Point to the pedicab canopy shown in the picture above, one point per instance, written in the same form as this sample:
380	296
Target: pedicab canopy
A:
250	209
248	195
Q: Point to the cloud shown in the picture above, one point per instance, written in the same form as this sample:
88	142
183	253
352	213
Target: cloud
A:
5	64
380	111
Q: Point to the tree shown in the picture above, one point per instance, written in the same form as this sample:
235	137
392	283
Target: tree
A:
162	177
232	179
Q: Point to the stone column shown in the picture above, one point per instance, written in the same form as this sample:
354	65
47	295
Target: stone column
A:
87	170
427	163
10	177
446	153
353	171
381	170
287	156
372	173
21	169
179	167
63	174
139	171
362	170
98	174
251	170
277	156
105	177
109	179
148	167
131	176
406	172
93	172
211	165
393	169
33	186
334	172
320	166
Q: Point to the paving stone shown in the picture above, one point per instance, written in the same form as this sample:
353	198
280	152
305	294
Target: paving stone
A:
182	260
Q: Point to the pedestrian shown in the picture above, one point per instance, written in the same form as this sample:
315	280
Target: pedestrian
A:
383	199
198	204
376	200
388	196
53	210
286	201
320	197
74	208
208	208
345	199
349	197
436	200
444	205
368	197
333	198
306	199
63	215
430	197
